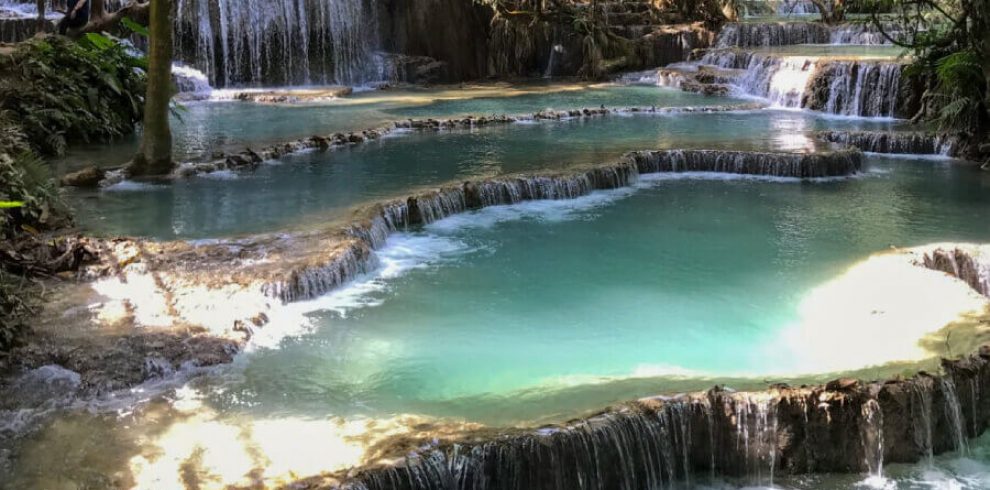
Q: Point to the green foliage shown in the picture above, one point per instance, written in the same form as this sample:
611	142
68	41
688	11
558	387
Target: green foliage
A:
58	91
14	308
135	27
28	182
960	88
952	52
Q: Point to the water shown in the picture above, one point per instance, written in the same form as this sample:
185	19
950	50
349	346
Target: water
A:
204	127
543	310
497	271
848	80
279	43
317	187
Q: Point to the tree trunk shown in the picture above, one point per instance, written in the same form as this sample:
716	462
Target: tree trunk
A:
155	155
41	16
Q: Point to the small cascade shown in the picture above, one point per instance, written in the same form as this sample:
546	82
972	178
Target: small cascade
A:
756	34
756	438
660	443
900	142
864	33
954	415
191	82
855	88
285	42
645	446
729	59
921	418
796	7
392	217
871	435
554	49
326	274
850	88
764	34
793	165
781	79
434	206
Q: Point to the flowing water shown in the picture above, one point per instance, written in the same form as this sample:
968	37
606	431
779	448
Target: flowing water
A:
283	42
316	187
534	312
542	310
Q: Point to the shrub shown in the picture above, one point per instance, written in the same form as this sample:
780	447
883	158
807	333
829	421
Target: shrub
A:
58	90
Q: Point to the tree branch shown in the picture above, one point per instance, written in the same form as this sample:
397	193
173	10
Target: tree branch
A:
101	21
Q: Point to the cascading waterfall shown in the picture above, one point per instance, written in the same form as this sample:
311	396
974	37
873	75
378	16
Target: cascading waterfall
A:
867	89
781	79
871	434
813	165
864	33
285	42
900	142
921	416
662	443
851	88
764	34
756	437
954	415
796	7
754	34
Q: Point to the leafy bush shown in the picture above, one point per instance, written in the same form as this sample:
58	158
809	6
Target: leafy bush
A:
13	308
31	197
58	90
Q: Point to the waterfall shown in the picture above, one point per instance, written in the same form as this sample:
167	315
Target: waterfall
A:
813	165
954	414
866	89
757	34
921	418
283	42
754	34
796	7
191	81
661	443
341	264
871	435
851	88
756	437
864	33
902	142
554	49
781	79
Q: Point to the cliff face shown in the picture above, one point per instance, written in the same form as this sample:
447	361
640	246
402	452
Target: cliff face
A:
453	32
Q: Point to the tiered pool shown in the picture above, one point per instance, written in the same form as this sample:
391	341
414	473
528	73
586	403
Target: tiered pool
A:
515	315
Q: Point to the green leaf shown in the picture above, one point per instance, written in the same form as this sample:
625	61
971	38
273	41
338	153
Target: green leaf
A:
11	204
135	27
98	41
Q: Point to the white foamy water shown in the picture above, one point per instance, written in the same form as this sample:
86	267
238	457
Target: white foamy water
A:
403	252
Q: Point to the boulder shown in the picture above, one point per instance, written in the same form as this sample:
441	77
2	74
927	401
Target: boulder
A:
87	177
